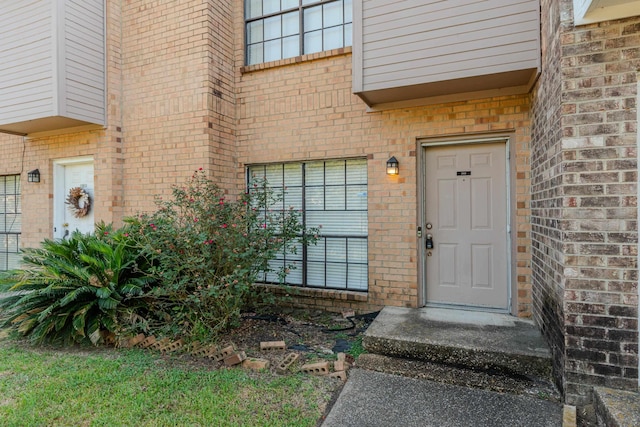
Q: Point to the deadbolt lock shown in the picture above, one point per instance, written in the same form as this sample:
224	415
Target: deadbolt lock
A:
429	243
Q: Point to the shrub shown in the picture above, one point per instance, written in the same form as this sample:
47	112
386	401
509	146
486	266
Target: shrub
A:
209	249
77	289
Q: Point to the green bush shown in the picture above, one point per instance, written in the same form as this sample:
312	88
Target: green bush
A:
208	251
77	289
187	269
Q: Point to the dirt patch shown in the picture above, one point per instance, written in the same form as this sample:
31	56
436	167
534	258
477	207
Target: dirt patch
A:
314	336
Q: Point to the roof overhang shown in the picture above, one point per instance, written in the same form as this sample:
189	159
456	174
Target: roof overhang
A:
590	11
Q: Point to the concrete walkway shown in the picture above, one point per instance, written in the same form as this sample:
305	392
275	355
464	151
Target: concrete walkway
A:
372	399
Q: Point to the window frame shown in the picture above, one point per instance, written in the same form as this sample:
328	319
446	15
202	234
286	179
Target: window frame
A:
302	6
324	238
7	230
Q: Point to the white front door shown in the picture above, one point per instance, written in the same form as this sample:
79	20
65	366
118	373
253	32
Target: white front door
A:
76	174
466	217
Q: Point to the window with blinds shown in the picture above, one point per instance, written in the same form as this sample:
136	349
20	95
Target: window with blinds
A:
332	196
10	222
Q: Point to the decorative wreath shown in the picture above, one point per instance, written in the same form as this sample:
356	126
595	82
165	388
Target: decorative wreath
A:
79	202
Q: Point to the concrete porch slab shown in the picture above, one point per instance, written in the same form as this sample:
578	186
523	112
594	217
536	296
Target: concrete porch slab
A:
374	399
470	339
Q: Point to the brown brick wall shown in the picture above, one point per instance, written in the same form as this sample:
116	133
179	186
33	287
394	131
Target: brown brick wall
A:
599	127
585	230
177	95
546	191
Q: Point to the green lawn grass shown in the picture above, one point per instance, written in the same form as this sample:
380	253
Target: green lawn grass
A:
138	388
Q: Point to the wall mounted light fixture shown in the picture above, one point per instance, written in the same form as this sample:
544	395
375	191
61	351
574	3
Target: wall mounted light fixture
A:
33	176
392	166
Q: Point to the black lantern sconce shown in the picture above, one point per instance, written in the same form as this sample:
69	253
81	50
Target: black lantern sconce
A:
392	166
33	176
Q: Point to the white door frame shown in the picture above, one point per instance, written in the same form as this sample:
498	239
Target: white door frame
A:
423	144
57	231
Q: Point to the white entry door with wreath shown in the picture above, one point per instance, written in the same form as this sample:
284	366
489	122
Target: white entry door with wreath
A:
73	199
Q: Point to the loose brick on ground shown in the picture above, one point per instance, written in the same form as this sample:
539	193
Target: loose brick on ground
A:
136	340
287	362
172	346
345	361
235	358
320	368
148	341
159	344
221	354
255	363
272	345
204	350
341	375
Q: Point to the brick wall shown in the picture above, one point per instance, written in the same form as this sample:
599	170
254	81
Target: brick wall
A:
177	95
585	203
599	127
546	192
302	109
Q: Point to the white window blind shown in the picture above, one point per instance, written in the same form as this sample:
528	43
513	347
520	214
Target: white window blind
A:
10	222
333	197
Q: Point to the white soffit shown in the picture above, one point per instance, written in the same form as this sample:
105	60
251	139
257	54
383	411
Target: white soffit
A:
589	11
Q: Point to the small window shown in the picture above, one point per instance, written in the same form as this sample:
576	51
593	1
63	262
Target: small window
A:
279	29
10	222
332	195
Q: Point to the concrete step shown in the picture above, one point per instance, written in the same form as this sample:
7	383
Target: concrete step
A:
459	376
487	350
616	408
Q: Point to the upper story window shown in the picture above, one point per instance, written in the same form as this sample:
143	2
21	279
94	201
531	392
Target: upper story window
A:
279	29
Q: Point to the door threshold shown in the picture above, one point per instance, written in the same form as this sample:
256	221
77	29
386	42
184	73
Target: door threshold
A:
461	307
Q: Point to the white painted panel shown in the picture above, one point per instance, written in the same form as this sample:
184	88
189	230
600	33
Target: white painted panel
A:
473	63
447	203
84	60
448	264
25	46
52	64
481	203
461	49
482	266
416	42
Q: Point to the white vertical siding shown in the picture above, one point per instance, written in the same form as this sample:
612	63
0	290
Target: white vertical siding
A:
84	45
26	60
414	42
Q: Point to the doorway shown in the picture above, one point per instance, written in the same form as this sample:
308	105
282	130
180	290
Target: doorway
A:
466	225
70	174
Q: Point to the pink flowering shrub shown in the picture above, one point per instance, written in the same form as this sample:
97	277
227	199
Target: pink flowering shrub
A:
208	249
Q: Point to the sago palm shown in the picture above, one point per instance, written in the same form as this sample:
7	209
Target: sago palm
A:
74	289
